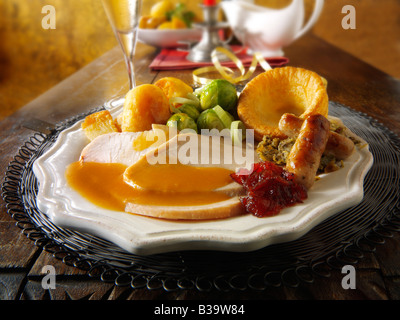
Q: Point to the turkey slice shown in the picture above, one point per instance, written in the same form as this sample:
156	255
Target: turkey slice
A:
124	147
199	151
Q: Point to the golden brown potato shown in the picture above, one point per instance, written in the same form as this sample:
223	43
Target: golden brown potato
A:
99	123
282	90
173	87
144	105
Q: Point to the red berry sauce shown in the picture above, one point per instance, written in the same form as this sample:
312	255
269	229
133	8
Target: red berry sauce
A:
269	189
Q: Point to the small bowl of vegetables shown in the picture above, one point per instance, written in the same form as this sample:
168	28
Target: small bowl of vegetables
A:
168	25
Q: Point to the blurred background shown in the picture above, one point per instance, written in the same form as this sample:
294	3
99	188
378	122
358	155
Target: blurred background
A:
32	59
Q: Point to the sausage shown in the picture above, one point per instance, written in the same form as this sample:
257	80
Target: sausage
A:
338	145
305	155
290	125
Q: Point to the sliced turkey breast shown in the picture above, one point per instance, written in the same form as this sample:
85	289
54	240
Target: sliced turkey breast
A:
219	210
123	147
170	163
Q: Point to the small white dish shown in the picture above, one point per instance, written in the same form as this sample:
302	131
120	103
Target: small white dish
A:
168	38
66	208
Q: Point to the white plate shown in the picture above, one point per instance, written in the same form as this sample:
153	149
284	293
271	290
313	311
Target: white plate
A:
333	193
168	38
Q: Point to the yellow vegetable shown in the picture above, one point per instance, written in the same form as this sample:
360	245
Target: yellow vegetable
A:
175	23
178	23
165	25
161	8
149	22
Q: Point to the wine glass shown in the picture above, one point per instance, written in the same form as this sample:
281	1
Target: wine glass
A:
123	16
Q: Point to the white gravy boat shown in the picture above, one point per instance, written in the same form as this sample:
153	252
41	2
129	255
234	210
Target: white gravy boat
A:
268	30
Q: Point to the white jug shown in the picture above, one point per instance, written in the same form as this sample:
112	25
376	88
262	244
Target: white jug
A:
268	30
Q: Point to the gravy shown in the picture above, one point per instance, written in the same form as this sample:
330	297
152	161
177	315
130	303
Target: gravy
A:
165	185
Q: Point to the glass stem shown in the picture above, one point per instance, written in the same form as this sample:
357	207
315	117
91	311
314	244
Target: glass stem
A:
131	71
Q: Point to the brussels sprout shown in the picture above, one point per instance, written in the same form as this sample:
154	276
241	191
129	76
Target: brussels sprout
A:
197	92
238	132
188	109
225	117
208	119
182	121
219	92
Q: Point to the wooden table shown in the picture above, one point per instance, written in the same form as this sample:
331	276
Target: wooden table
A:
351	82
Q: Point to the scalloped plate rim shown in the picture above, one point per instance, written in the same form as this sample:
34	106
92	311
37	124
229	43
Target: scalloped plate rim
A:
126	230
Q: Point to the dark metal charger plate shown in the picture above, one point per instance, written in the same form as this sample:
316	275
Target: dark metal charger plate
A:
340	240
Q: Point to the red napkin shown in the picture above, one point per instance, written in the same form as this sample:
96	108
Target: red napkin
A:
172	59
